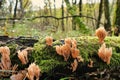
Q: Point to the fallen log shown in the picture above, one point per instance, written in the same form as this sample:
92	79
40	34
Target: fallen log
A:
47	58
53	65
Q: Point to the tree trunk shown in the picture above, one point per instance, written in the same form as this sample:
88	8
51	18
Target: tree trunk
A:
54	8
107	23
49	2
73	19
80	7
117	19
1	3
63	29
10	6
15	10
100	14
21	8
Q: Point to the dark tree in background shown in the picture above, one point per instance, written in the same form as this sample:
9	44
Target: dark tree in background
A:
54	8
104	7
62	7
1	3
107	23
73	20
99	14
117	20
80	7
21	8
15	12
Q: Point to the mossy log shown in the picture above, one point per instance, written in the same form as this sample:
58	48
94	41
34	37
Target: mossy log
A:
53	64
47	58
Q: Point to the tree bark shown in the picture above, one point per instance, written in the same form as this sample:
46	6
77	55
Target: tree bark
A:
1	3
107	23
100	14
63	29
117	19
15	10
54	8
49	2
21	8
80	7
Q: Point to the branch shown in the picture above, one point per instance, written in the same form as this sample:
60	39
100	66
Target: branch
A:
57	18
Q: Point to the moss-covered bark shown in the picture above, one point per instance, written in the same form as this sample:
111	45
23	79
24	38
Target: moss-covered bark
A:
47	58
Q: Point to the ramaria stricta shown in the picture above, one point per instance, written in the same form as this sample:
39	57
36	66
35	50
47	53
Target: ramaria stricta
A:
105	53
33	71
101	34
23	55
49	41
5	59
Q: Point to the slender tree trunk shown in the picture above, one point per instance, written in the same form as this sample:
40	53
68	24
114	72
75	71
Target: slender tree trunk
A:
15	10
55	22
107	23
54	8
1	3
100	14
73	19
50	7
63	29
10	6
117	19
21	7
80	7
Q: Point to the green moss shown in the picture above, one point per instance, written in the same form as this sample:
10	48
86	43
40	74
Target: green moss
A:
47	58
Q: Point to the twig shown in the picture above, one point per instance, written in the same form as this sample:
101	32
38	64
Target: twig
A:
8	71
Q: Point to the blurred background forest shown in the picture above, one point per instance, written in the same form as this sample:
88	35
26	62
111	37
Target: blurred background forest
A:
58	18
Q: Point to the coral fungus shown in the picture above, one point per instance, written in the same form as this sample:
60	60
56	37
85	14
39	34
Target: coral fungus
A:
101	34
105	53
58	50
80	59
68	41
65	49
20	76
90	63
33	71
49	41
74	43
5	59
23	55
69	48
74	65
75	52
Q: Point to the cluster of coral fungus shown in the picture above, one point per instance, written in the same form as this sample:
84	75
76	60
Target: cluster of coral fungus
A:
32	71
23	55
70	49
104	53
5	59
101	34
49	41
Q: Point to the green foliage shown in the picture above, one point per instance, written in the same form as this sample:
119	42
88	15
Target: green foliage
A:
21	30
73	11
